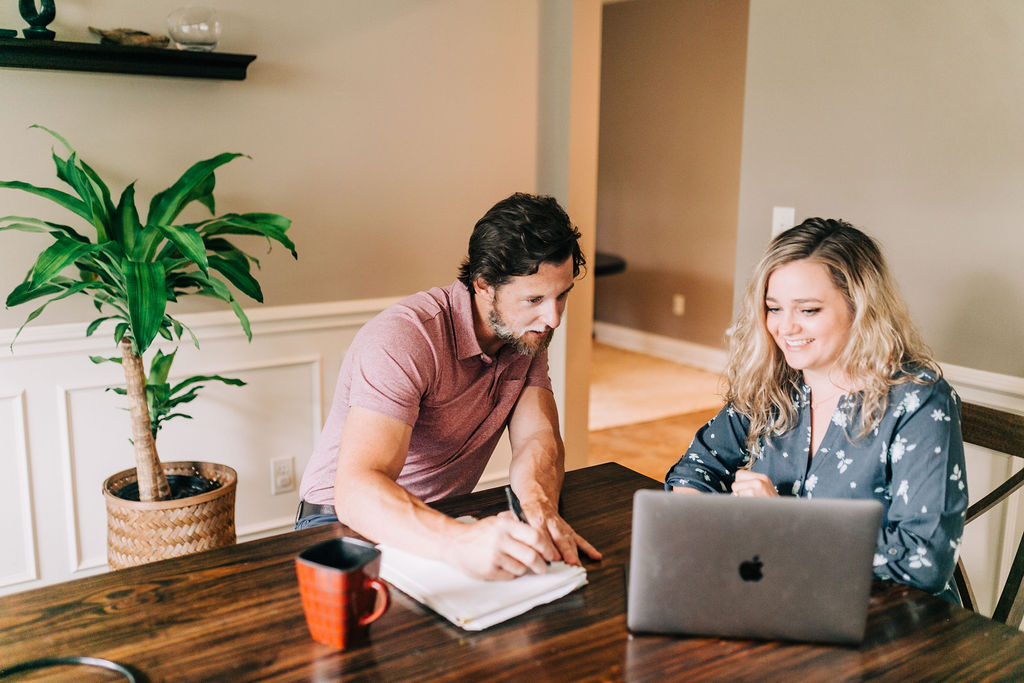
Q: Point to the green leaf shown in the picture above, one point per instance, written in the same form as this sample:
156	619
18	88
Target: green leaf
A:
147	299
156	395
146	242
105	359
55	134
203	193
195	340
102	189
69	202
120	331
26	292
70	288
98	215
189	243
180	282
96	323
273	220
196	183
219	290
187	397
56	258
234	381
66	287
36	225
105	262
266	225
227	250
160	367
238	275
62	168
125	225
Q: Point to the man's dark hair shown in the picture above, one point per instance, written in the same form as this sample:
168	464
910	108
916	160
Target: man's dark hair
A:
517	235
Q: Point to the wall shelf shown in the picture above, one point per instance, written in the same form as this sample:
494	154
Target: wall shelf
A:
66	56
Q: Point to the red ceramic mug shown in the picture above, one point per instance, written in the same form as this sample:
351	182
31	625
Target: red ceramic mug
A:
341	594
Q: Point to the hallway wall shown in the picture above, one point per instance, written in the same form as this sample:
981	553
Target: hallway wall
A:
672	84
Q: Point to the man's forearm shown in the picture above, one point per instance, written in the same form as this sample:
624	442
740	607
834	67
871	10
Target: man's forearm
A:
374	506
536	476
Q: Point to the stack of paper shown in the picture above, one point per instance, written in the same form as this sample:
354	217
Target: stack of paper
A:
474	604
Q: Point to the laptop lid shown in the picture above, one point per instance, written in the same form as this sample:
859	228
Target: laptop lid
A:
765	568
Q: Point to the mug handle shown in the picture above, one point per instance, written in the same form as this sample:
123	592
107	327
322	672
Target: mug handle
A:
383	600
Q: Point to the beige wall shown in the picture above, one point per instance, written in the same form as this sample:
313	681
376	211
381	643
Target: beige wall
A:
669	163
904	118
383	129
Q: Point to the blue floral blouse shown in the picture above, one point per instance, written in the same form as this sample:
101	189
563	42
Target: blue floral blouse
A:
913	462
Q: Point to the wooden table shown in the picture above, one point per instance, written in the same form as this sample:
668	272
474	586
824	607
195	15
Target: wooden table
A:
234	614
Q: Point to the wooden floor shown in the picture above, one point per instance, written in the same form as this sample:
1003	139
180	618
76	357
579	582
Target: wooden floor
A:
648	446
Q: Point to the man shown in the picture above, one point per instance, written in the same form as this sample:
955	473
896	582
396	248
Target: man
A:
428	386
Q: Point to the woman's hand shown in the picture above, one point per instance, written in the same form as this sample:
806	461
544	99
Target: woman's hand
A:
755	484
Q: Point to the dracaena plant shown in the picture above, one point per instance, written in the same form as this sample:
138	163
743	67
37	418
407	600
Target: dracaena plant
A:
131	269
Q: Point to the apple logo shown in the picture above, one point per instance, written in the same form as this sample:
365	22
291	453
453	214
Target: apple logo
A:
750	570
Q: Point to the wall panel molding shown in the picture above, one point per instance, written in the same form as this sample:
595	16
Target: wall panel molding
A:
79	563
13	403
290	365
41	340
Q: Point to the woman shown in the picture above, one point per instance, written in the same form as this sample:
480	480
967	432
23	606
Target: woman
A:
832	394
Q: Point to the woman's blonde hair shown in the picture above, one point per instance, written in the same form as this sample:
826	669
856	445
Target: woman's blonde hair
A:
882	342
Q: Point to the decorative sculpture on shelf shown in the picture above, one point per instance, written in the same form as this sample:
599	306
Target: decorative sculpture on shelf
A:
38	19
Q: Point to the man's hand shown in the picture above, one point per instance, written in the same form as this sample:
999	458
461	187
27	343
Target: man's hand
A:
749	483
500	547
568	543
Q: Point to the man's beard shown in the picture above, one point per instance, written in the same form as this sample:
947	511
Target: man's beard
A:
506	335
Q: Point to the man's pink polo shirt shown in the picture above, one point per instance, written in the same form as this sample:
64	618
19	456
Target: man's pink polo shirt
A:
420	362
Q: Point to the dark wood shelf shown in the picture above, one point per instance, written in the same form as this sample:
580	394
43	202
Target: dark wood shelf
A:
121	59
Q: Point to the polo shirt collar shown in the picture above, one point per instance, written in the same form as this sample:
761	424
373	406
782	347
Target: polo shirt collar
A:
467	345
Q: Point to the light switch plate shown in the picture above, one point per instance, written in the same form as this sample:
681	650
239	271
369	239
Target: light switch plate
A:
783	218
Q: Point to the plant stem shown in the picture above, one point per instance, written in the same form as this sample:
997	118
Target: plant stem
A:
152	481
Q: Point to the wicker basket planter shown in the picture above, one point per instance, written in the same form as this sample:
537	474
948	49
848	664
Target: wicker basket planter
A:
139	532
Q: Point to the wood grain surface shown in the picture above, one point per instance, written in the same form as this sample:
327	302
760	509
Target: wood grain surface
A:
233	614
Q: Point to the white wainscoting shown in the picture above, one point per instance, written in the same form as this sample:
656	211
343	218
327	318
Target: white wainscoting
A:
62	434
989	545
18	561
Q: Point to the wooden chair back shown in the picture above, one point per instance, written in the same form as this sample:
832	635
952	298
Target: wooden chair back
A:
1000	431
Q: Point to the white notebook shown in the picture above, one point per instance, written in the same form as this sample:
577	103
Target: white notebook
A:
474	604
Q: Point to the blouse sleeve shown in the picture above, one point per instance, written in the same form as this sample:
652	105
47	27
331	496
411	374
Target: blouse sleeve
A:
717	451
921	534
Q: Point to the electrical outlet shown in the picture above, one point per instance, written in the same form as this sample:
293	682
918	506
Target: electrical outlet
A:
282	475
678	304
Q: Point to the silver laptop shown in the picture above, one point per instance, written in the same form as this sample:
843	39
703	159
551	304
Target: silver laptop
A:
765	568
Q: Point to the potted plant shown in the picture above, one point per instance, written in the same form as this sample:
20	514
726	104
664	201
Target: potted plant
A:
131	269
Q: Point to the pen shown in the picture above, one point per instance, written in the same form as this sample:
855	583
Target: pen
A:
517	509
513	504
